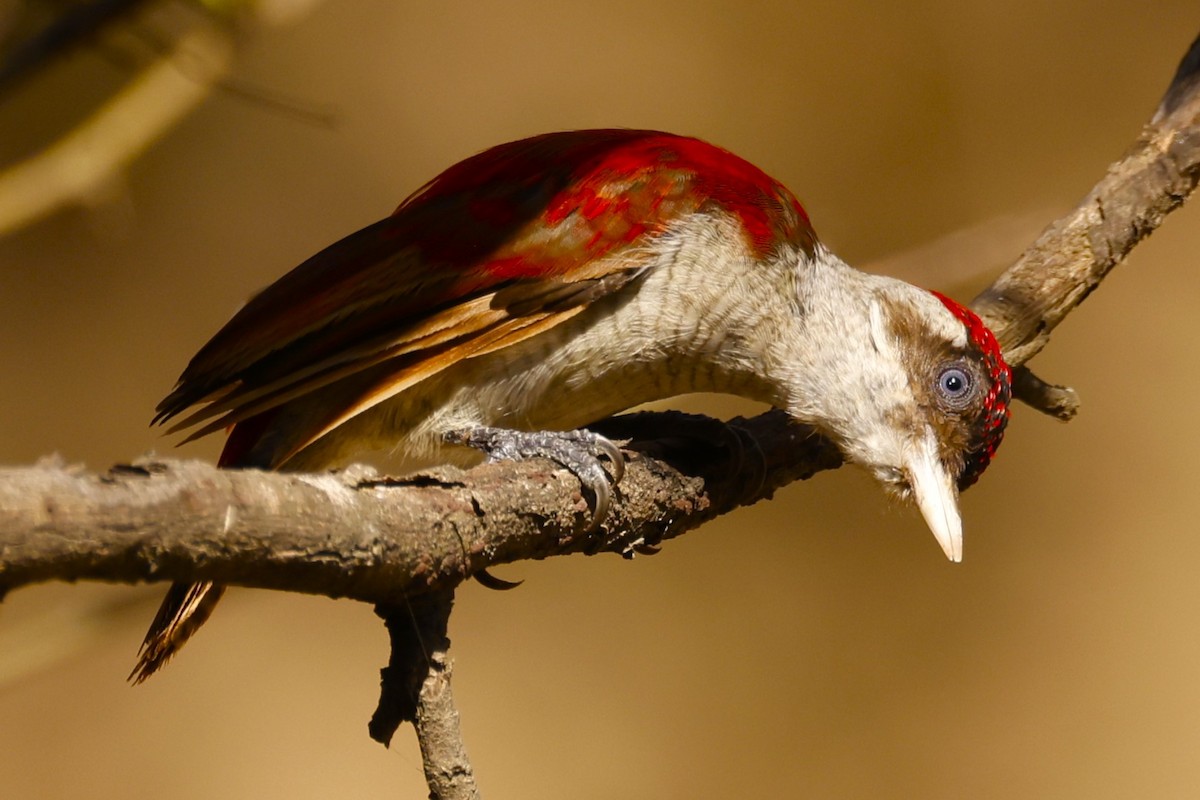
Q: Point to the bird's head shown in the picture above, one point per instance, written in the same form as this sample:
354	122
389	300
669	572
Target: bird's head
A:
939	442
925	399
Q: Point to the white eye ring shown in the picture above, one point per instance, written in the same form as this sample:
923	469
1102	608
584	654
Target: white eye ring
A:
955	385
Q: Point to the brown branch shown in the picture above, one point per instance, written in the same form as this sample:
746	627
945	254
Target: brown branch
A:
1060	402
415	687
1075	253
355	534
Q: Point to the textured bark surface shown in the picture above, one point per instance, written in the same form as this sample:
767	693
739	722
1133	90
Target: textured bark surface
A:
415	687
378	539
1074	254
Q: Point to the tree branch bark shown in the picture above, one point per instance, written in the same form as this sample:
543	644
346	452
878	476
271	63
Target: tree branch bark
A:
1076	252
415	687
378	539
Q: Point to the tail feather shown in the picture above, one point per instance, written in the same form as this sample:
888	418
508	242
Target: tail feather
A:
183	611
187	606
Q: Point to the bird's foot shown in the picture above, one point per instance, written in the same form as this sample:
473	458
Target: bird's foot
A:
579	451
686	441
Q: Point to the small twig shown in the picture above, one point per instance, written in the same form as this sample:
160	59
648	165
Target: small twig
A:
1060	402
415	687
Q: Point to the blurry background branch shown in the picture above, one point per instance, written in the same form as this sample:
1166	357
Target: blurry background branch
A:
90	158
87	161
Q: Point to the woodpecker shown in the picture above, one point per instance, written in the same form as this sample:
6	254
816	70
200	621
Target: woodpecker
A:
551	282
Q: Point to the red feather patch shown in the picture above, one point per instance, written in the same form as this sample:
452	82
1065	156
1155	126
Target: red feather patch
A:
995	414
610	185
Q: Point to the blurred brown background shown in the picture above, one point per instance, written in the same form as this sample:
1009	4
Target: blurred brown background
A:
818	645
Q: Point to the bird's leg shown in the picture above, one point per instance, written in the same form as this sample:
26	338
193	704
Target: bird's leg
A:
579	451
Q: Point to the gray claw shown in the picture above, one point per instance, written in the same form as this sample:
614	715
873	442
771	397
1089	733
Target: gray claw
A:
578	451
615	459
489	580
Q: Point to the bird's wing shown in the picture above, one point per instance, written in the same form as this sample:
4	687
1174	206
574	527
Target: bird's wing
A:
498	248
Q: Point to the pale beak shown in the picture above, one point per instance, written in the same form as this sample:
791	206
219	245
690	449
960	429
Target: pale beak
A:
936	496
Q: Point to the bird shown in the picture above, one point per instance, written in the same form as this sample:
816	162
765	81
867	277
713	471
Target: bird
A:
548	283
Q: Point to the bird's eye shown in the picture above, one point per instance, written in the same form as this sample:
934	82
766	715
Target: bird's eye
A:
955	385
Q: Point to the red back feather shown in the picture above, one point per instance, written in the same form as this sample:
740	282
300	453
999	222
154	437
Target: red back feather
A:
615	184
